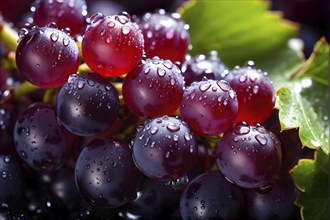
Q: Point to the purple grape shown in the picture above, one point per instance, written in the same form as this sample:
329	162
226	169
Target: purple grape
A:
105	173
249	156
276	203
87	104
46	56
40	141
210	196
164	148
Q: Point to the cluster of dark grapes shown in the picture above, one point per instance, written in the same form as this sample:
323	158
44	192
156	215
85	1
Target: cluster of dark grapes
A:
146	131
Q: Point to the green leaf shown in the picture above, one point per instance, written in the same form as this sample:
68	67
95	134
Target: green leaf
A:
304	102
311	177
240	31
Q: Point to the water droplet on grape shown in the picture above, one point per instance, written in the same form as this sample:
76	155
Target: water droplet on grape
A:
54	37
242	128
96	17
204	86
223	85
161	72
173	127
154	130
125	30
261	139
255	89
243	78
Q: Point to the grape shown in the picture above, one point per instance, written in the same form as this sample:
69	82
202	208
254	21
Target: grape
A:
201	66
154	88
209	107
249	156
105	173
277	203
87	104
112	45
210	196
165	36
164	148
40	141
255	93
65	13
46	56
11	180
154	201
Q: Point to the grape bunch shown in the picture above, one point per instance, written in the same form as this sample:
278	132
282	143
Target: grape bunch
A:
116	120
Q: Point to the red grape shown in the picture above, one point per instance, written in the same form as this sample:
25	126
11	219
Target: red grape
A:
112	45
153	88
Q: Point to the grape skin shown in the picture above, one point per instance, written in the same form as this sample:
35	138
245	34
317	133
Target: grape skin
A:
112	45
105	173
249	156
211	196
209	107
40	141
164	148
87	104
154	88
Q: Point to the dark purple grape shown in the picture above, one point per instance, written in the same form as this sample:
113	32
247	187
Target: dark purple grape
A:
11	180
165	35
105	173
277	203
65	13
255	93
249	156
210	196
209	107
46	56
40	141
164	148
87	104
154	88
202	66
154	201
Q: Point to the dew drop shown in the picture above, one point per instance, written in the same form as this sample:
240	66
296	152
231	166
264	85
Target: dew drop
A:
154	130
170	34
168	64
242	128
161	72
223	85
261	139
255	89
204	86
7	159
187	136
125	30
173	127
243	78
54	37
111	24
66	41
147	70
108	39
96	17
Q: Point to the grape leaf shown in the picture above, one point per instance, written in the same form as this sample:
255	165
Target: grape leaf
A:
311	177
304	102
240	31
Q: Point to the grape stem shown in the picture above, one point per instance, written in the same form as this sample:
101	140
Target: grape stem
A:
8	35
